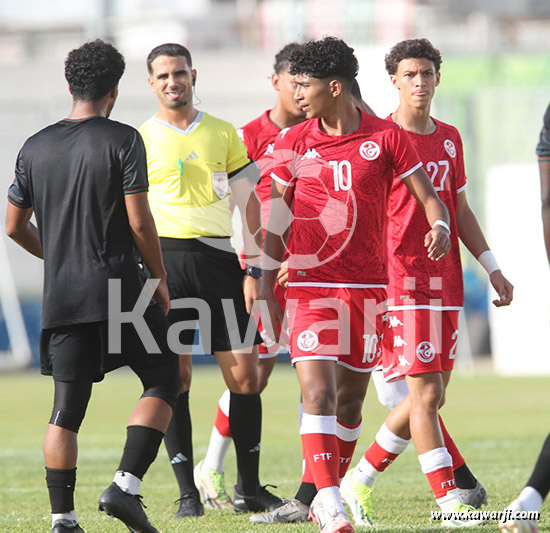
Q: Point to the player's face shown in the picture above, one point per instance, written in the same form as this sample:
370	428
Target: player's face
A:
284	84
313	96
172	81
416	80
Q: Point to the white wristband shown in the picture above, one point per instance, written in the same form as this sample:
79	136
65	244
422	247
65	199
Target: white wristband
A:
443	224
488	262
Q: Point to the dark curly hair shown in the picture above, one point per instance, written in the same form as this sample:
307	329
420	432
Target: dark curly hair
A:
325	58
412	49
170	50
93	70
282	58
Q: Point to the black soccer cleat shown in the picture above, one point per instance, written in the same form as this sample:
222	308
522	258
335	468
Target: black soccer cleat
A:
262	500
128	508
190	505
65	526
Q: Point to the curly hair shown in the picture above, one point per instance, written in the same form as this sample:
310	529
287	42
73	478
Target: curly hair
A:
412	49
282	57
325	58
170	50
93	70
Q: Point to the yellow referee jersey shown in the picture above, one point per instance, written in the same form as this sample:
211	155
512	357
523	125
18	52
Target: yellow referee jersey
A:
189	174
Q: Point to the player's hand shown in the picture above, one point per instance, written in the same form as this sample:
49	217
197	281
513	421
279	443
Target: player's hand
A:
271	314
504	288
438	243
251	290
162	297
282	275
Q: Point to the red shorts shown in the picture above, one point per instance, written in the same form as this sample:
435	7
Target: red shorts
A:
269	348
418	341
336	324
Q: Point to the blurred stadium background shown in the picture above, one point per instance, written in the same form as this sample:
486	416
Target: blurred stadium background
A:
495	87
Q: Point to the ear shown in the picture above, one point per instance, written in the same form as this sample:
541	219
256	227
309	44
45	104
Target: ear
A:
275	80
194	74
70	90
394	81
437	78
151	84
335	87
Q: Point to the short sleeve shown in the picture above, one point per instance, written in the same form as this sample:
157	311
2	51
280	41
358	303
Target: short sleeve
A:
19	192
237	154
405	159
282	160
134	165
543	146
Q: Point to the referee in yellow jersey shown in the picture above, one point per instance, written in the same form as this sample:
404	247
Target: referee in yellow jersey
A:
196	162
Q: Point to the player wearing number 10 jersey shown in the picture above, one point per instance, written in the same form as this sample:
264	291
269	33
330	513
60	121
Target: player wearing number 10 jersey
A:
335	171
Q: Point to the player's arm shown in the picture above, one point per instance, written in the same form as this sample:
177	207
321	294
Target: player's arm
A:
146	238
544	171
274	252
243	188
471	235
20	228
437	239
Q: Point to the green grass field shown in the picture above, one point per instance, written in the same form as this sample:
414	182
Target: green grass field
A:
498	423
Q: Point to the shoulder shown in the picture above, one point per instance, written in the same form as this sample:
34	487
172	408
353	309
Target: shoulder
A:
296	134
217	124
447	129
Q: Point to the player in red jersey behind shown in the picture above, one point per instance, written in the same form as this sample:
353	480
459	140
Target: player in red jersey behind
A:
335	172
259	136
424	297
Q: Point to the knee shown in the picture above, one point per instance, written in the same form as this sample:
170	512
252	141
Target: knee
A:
429	398
246	385
319	401
262	383
349	409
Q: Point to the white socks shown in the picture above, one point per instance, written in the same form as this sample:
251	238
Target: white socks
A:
217	450
127	482
530	499
70	518
331	499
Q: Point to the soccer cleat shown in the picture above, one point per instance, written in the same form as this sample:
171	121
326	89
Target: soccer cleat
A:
359	498
66	526
128	508
335	522
211	486
190	505
517	525
475	497
263	500
291	510
461	518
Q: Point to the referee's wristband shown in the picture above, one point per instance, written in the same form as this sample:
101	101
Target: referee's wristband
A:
443	224
488	262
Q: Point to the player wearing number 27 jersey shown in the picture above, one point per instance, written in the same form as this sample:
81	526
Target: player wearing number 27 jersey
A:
419	289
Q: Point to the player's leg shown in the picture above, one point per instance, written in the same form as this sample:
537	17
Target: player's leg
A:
531	497
319	441
179	444
60	451
240	372
70	355
147	423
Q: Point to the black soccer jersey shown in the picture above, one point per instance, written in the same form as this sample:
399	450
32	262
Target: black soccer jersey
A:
75	174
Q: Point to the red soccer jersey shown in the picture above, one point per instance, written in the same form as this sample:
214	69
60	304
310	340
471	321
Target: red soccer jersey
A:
259	136
341	186
415	280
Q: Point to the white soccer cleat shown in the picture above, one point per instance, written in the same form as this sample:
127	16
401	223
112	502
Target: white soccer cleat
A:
359	499
329	522
211	486
463	516
517	525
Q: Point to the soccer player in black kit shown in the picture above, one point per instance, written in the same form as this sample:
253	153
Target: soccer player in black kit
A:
85	180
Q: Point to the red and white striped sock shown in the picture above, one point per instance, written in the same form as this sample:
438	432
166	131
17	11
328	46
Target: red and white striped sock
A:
320	448
347	440
383	451
437	464
220	438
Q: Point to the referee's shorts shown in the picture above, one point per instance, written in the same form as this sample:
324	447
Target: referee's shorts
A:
212	274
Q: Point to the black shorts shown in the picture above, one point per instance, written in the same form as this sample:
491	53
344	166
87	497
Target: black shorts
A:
209	274
81	351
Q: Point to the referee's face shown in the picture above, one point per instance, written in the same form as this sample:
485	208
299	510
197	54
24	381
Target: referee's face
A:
172	81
